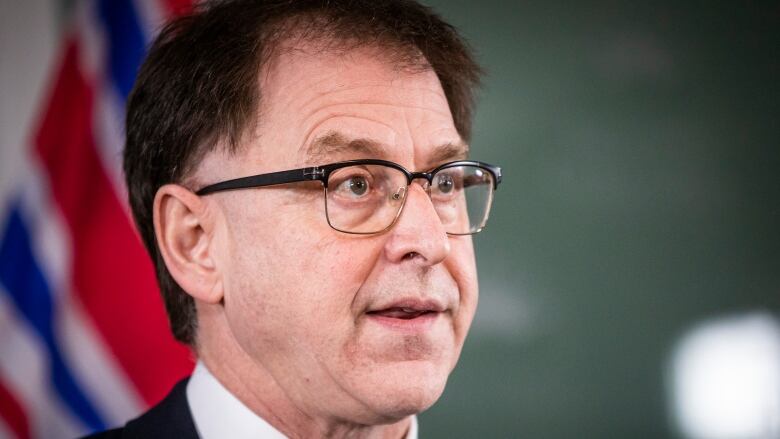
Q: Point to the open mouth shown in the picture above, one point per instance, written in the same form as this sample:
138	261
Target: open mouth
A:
408	315
401	313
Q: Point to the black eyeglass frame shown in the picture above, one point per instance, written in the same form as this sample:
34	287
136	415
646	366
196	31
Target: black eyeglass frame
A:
322	173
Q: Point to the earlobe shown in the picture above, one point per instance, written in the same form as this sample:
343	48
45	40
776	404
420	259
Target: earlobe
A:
185	232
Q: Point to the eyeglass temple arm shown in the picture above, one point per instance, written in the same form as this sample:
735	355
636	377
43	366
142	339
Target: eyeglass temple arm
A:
273	178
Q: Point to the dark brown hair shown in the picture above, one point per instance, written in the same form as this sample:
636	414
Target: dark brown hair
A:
198	88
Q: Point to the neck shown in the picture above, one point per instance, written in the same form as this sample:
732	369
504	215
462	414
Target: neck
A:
234	369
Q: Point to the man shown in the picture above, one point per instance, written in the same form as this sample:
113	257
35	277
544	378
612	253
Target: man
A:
297	171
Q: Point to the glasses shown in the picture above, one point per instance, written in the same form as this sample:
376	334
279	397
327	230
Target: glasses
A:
366	196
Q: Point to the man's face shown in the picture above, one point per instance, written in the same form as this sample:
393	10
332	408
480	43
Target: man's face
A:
360	328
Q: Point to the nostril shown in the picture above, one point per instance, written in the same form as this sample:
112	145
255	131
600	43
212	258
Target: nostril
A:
411	255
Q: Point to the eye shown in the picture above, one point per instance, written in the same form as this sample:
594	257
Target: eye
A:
358	185
444	183
355	186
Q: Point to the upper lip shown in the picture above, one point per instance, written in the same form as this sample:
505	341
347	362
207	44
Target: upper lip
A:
411	304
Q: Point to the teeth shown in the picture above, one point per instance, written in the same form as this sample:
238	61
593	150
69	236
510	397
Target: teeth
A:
408	310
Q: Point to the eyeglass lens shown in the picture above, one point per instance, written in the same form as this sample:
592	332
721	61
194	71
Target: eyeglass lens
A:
369	198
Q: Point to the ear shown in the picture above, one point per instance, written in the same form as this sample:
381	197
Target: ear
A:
185	232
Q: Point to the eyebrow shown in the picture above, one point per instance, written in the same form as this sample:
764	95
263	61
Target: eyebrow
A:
448	152
336	143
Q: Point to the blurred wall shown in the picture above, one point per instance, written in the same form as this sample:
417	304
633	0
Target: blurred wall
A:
641	197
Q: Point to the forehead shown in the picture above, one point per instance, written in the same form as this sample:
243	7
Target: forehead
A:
310	97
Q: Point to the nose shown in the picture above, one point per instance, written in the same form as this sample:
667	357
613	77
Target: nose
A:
418	234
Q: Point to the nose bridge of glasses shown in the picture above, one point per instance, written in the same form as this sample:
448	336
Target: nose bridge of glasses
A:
426	176
423	209
403	193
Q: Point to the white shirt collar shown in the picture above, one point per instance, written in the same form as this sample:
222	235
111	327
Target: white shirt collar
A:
219	414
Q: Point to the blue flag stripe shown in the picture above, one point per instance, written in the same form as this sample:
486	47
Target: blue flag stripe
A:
126	42
31	295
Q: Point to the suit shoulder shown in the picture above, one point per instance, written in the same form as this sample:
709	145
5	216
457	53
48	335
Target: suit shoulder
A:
116	433
170	418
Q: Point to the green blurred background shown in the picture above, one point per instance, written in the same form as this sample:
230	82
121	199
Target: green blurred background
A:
641	196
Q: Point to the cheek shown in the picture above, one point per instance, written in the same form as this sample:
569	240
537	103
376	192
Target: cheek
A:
462	266
294	277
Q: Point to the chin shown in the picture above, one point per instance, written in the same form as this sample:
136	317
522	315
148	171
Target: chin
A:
405	389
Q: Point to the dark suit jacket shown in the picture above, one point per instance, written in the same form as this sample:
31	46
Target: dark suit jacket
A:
171	418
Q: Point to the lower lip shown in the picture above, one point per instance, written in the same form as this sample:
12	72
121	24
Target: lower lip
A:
415	325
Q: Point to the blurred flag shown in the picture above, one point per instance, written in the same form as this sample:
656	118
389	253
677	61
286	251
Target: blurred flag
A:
84	340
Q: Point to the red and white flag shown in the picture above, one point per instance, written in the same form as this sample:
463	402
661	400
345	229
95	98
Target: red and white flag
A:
84	340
